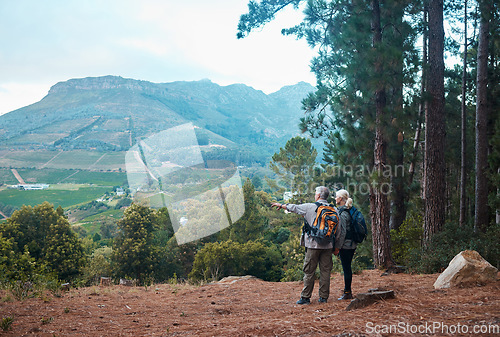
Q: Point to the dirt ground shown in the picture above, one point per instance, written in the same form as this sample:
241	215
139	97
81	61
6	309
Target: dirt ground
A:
251	307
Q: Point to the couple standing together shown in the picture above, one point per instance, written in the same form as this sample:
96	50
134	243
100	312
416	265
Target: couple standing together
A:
343	246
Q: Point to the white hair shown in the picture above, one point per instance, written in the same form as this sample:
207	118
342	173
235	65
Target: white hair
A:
345	196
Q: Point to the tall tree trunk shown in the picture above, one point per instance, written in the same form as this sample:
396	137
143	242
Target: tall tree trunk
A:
463	172
481	206
422	104
378	195
435	126
399	181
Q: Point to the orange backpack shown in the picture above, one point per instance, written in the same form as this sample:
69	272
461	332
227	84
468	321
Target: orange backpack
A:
325	224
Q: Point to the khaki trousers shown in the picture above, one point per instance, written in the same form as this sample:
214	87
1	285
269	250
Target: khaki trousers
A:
311	260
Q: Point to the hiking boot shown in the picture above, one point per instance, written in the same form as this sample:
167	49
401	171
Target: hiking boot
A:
322	300
304	300
346	296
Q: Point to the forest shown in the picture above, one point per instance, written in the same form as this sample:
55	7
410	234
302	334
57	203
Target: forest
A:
413	136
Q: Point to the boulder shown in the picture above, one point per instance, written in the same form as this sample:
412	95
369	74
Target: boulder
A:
127	283
468	268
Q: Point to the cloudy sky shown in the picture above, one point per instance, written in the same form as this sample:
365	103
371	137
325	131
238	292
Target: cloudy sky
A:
45	42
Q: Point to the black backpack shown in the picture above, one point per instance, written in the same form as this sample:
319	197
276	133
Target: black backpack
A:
325	224
358	230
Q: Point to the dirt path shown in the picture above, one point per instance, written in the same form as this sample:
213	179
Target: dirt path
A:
257	308
18	176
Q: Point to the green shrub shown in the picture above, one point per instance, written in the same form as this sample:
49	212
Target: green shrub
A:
219	259
99	265
452	240
293	256
407	238
278	235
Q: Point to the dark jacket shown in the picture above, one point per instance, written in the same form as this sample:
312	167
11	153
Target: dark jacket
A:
345	226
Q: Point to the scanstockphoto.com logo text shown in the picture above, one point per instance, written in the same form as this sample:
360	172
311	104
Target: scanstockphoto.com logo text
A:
435	328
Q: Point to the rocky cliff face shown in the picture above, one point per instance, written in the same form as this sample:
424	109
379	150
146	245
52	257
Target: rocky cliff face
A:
101	83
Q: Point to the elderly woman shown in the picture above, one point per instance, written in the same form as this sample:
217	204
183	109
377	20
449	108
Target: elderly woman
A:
345	246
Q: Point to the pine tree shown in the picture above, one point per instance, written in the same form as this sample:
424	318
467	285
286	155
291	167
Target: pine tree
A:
435	126
481	219
366	57
294	166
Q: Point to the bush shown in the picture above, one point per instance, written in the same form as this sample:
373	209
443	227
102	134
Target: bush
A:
293	255
278	235
452	240
407	238
219	259
99	265
44	234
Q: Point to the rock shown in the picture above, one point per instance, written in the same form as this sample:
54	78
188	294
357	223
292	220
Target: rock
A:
365	299
468	268
127	283
232	279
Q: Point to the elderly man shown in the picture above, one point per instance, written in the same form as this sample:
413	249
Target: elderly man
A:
315	252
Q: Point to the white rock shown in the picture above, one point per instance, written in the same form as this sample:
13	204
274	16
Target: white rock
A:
467	268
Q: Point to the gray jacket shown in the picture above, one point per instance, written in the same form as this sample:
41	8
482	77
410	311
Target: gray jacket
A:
344	227
308	211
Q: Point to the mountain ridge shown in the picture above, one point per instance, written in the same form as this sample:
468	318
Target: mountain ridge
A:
110	113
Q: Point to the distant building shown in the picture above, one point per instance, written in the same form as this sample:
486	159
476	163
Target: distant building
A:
288	195
120	191
31	187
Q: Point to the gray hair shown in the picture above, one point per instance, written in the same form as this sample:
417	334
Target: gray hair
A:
323	192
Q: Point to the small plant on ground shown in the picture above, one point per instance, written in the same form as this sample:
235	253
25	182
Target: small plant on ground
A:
6	323
7	298
46	320
22	290
173	279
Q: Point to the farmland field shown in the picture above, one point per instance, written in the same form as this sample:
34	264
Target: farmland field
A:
92	224
19	159
76	159
58	197
7	177
67	125
44	176
36	138
98	178
57	176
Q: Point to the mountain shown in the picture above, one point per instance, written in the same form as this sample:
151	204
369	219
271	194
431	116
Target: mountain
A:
111	113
